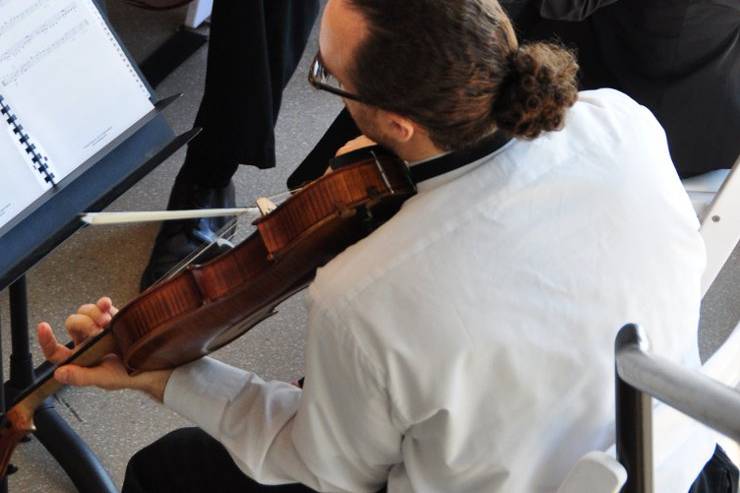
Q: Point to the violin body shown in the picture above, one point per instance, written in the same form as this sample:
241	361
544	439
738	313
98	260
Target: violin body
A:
207	306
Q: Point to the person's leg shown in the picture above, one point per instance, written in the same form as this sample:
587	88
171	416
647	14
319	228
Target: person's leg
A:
189	460
341	131
719	475
235	112
253	50
288	25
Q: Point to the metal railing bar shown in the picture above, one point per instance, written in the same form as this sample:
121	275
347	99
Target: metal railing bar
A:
696	395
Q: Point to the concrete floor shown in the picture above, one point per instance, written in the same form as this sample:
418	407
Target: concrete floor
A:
109	260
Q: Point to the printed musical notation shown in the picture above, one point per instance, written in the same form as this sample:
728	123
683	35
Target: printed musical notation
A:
62	26
23	43
16	20
69	91
39	56
64	73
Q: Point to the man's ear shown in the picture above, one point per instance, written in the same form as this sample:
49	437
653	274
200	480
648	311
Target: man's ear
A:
399	127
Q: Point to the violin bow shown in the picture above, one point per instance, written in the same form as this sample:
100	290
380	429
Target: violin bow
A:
223	240
264	205
108	218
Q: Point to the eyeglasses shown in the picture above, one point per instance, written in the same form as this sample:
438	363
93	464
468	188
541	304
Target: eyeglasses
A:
321	78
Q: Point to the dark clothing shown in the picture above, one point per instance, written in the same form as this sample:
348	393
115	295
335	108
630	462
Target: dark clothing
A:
680	58
719	475
190	460
341	131
254	48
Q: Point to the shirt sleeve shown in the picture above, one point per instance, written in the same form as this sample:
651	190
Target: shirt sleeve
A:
336	434
571	10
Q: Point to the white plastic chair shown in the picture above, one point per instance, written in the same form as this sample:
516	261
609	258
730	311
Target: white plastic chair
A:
595	472
716	199
678	441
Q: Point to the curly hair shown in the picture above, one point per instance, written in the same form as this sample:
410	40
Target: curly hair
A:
540	86
455	68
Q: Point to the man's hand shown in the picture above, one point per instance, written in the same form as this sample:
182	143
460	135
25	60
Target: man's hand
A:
110	374
355	144
352	145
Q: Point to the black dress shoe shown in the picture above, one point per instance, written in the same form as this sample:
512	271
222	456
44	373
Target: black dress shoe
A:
178	240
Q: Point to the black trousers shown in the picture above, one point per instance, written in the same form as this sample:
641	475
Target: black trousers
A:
189	460
719	475
253	50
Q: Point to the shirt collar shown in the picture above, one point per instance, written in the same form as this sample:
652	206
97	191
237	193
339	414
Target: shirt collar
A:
432	172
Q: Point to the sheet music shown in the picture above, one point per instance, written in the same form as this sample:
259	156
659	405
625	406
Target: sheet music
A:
65	77
20	184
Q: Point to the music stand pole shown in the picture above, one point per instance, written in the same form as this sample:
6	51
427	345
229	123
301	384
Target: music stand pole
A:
69	450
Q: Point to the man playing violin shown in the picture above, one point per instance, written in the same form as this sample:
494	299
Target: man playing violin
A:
465	345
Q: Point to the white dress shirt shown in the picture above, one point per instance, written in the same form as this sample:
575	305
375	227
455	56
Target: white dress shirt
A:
467	344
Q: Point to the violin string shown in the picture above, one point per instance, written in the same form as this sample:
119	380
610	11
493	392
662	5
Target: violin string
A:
278	197
184	263
225	234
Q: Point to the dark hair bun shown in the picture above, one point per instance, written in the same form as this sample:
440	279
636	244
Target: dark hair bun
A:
540	87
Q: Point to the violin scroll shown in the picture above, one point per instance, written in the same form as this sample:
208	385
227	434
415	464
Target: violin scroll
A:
16	424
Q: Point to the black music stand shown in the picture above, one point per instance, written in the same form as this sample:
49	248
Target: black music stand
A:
41	228
110	173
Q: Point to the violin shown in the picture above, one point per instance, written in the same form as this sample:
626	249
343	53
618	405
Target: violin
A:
207	306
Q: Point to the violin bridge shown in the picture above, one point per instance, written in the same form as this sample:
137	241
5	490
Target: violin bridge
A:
265	205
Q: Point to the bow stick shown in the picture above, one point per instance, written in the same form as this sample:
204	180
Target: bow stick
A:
264	207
